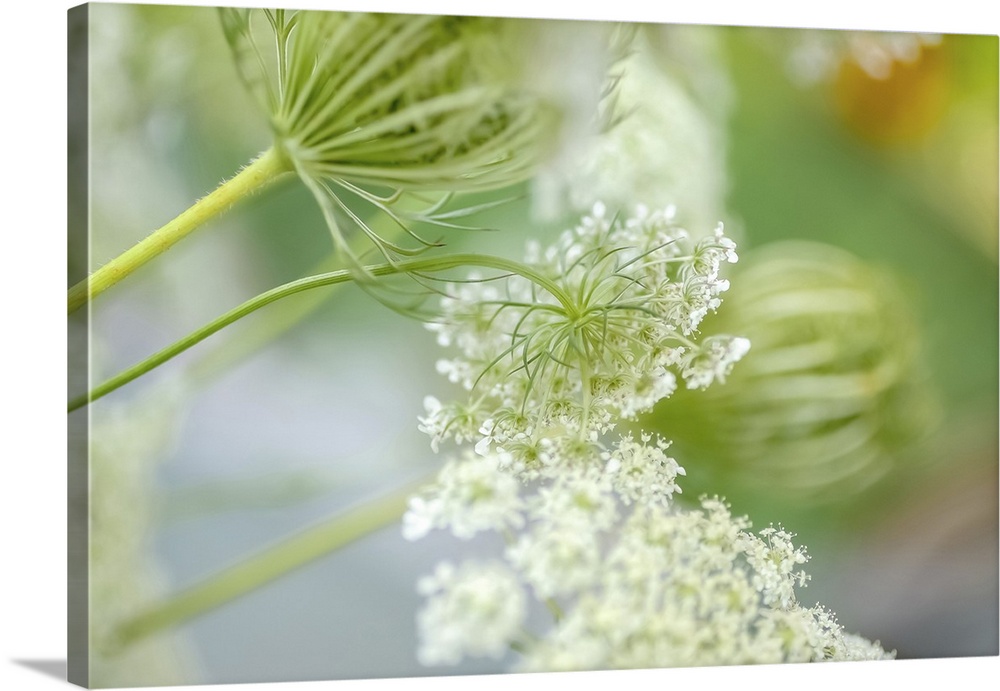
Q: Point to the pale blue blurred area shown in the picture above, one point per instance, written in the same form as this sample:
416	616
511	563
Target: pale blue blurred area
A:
345	416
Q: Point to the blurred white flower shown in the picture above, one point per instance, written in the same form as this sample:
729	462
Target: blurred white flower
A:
473	609
816	55
471	494
557	559
666	141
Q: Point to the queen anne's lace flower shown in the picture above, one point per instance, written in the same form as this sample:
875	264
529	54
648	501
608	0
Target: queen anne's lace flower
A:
774	558
642	472
598	328
714	360
471	495
557	559
680	588
473	609
581	497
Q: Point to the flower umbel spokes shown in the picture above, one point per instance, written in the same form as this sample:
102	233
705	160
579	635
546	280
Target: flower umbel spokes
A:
367	106
606	337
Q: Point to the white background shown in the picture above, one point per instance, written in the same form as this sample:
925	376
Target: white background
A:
32	271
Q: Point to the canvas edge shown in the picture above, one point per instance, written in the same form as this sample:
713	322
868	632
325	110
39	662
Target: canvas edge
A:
78	423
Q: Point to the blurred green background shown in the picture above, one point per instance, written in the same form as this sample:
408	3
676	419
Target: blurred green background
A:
912	561
325	415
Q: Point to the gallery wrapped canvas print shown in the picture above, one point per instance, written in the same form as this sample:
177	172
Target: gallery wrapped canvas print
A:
414	345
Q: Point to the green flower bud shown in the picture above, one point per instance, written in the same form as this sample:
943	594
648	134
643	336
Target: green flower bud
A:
833	391
398	112
405	101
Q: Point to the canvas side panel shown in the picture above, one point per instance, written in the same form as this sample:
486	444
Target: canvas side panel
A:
78	357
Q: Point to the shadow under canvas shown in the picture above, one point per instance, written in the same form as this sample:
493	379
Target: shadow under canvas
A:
51	668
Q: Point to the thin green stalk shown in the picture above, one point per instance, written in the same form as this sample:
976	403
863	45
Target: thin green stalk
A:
267	565
265	169
265	329
204	332
424	265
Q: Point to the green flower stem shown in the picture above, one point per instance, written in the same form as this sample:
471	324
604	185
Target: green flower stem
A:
267	565
265	329
265	169
424	265
204	332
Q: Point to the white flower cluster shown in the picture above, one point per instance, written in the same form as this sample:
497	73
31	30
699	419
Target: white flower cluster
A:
668	103
469	497
663	586
474	609
600	330
595	329
690	588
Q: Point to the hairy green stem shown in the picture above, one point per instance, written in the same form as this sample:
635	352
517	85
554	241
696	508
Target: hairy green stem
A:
267	565
265	169
423	265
